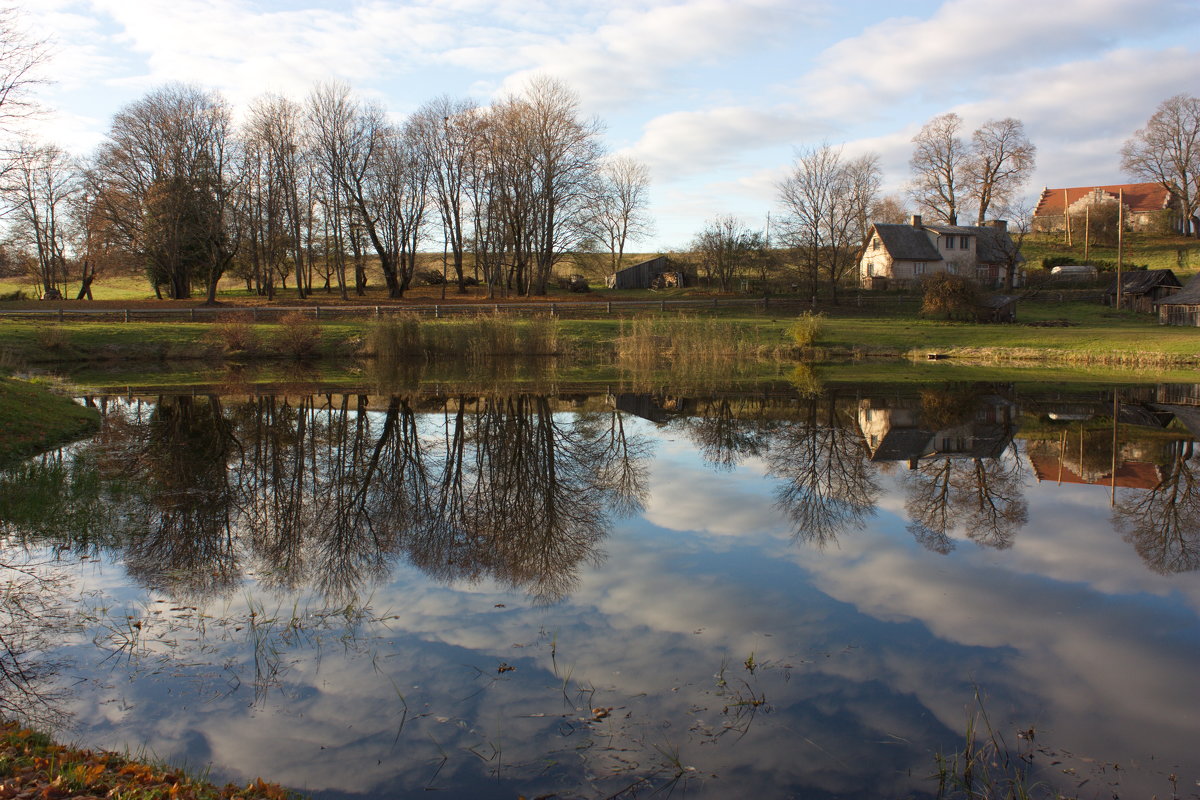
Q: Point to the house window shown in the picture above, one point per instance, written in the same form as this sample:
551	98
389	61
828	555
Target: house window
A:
964	243
870	269
918	268
874	244
949	242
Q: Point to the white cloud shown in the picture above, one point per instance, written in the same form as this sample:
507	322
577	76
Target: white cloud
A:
965	41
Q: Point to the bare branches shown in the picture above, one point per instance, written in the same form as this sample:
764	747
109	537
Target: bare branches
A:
988	172
827	201
621	209
20	57
937	164
1001	161
1167	151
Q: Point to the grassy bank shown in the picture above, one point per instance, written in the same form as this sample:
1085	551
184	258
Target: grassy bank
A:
33	419
1048	333
32	765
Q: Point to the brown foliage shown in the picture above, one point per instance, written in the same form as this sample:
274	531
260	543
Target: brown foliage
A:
949	294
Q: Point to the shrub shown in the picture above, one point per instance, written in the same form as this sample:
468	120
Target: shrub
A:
236	335
949	294
806	328
17	295
431	277
298	335
574	283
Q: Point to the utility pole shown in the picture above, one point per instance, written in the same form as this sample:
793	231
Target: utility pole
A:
1067	217
1120	243
1087	232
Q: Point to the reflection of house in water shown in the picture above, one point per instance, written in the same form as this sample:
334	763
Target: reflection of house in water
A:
659	410
1146	444
1058	468
897	429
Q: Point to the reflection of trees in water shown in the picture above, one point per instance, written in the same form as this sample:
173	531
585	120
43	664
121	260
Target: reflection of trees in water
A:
182	501
34	619
983	497
726	435
524	495
1164	524
829	485
321	491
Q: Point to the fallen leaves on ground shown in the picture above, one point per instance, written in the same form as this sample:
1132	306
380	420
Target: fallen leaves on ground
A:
34	768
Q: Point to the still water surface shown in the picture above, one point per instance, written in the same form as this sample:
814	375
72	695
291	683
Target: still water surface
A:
757	593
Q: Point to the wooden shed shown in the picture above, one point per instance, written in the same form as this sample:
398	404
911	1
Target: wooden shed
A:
1141	287
1181	308
996	308
646	274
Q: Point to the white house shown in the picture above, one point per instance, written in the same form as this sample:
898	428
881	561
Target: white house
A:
898	255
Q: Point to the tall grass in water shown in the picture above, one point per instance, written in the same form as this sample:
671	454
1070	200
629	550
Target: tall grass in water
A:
986	769
407	337
690	342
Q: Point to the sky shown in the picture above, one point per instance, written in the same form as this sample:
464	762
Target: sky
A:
715	96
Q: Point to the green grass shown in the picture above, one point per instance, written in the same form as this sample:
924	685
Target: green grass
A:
1177	253
1096	335
33	419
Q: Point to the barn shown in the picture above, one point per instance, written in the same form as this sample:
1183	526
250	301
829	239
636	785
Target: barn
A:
644	275
1181	308
1141	288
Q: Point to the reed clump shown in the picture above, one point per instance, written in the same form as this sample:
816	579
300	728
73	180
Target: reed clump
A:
805	329
685	341
474	339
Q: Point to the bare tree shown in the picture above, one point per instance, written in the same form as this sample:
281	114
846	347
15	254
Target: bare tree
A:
937	164
890	209
274	194
827	201
621	214
726	247
20	57
1001	160
445	132
559	153
39	186
166	180
1167	151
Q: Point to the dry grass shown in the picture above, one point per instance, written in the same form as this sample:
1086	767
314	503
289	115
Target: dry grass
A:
402	337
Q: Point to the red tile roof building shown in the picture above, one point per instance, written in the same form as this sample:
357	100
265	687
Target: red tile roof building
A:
1148	206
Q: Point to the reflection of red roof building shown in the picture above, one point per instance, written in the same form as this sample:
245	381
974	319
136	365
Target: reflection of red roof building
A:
1130	474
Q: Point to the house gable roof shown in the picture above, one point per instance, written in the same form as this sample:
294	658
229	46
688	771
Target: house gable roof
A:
1143	280
1139	197
992	245
907	243
1189	295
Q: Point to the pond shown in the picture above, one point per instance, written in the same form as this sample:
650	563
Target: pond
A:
768	591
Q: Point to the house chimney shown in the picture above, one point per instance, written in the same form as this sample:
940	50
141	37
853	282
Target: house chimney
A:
916	221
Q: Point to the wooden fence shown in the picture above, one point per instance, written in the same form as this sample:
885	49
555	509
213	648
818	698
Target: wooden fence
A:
886	303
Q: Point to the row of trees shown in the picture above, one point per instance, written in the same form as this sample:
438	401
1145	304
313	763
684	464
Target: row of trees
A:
311	190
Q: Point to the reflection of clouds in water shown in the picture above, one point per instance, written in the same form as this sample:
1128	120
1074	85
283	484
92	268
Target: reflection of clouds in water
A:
1067	630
